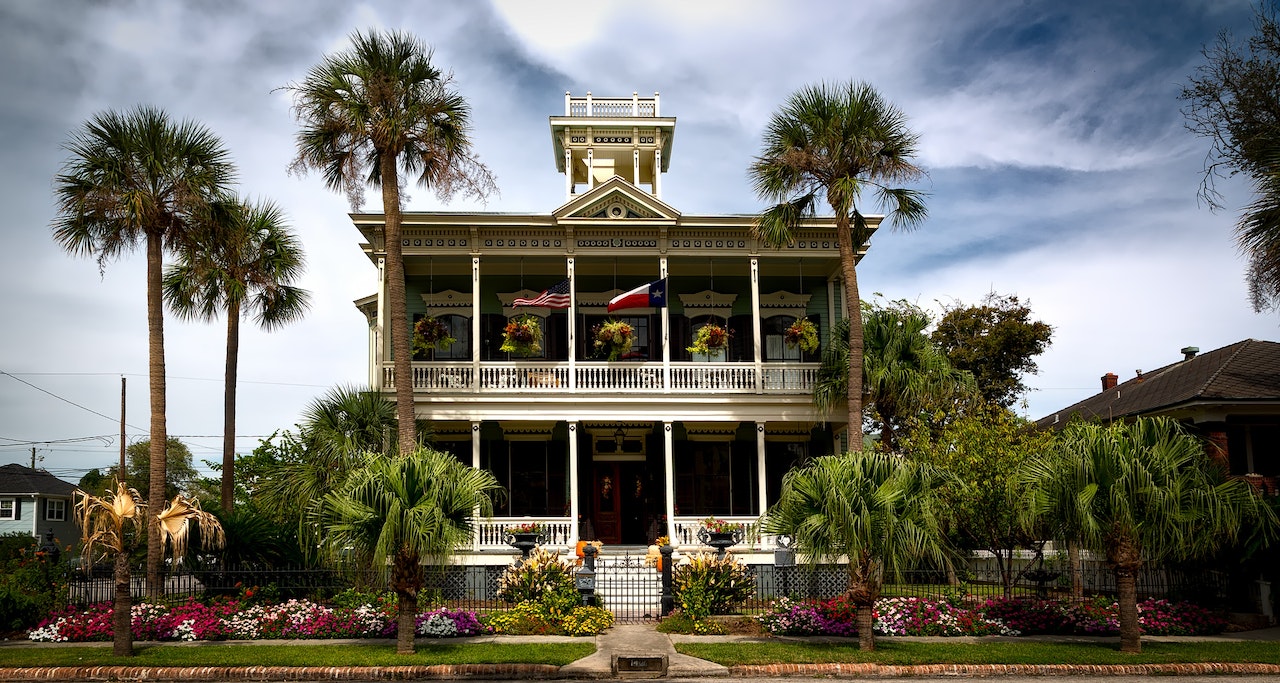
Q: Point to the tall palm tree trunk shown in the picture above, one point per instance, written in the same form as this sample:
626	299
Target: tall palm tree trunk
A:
406	577
853	305
866	636
399	325
121	629
159	435
229	405
1127	597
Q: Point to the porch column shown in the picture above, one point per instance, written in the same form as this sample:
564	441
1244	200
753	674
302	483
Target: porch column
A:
666	330
591	167
568	169
635	166
755	323
475	328
760	470
668	455
383	350
573	327
657	167
575	505
475	464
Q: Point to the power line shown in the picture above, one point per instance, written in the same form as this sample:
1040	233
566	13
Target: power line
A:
136	374
64	400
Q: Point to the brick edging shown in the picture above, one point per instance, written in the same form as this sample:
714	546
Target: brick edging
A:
276	673
911	670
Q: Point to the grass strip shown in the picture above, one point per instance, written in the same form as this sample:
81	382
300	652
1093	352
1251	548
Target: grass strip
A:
557	654
889	652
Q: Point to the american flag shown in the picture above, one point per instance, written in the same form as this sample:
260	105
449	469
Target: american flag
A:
556	296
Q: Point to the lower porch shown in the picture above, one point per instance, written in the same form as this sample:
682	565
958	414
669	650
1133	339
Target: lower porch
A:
625	484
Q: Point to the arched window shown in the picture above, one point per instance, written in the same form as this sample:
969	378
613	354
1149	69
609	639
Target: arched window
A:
459	329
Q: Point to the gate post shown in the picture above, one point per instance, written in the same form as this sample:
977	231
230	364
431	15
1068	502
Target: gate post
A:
668	600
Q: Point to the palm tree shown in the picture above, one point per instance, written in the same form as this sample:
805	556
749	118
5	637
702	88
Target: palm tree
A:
366	114
1139	492
1258	231
874	508
836	141
402	511
138	177
338	429
110	523
903	371
243	263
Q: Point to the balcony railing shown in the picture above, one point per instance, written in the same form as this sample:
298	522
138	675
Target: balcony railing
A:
687	528
623	107
491	534
601	377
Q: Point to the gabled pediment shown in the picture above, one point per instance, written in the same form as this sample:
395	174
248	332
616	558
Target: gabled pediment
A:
616	199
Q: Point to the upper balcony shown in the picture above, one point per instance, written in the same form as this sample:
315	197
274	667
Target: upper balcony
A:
593	377
611	107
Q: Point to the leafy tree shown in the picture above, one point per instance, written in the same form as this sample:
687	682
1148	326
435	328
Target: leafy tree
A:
243	262
138	177
996	341
1139	492
983	450
835	141
401	511
877	509
365	115
181	475
1234	101
904	373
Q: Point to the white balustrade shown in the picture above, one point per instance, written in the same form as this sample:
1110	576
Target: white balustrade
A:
500	377
619	376
491	534
789	378
629	107
714	377
687	535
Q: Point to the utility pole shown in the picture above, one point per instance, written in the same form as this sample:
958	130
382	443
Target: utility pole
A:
120	472
33	457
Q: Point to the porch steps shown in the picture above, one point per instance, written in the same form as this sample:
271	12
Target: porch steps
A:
628	588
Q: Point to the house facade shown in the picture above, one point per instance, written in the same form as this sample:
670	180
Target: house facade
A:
659	438
1230	396
34	502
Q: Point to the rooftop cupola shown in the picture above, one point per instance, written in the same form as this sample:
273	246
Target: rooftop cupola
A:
600	137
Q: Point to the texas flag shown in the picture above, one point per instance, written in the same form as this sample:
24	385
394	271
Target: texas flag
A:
652	295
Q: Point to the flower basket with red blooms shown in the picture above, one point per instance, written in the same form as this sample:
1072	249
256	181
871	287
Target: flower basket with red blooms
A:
710	339
613	339
526	528
802	333
720	526
522	337
430	333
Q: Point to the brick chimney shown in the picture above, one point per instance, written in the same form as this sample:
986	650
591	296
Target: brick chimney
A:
1189	352
1109	381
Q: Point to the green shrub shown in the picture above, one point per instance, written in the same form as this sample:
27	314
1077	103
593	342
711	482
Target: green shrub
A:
709	585
31	585
543	579
586	621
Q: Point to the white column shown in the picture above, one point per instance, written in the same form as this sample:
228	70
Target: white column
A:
635	167
755	323
568	170
666	330
475	324
668	454
635	104
657	167
384	350
575	505
591	168
475	463
655	104
760	470
573	326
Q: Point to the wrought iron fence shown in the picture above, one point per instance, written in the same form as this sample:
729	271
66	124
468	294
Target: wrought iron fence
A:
632	590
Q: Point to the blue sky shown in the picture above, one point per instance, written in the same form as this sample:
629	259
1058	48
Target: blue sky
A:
1059	170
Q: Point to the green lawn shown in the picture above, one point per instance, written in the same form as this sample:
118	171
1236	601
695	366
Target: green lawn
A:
889	652
557	654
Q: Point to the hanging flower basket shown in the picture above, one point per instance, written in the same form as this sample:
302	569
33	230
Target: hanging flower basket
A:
431	334
802	333
613	339
710	339
522	337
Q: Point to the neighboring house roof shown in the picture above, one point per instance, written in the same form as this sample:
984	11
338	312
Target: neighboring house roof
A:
1246	372
24	481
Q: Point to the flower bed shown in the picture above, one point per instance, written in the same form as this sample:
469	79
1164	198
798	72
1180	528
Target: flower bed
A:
235	620
930	617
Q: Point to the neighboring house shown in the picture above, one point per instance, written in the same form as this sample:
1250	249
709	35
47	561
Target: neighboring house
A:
1231	396
34	502
651	444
